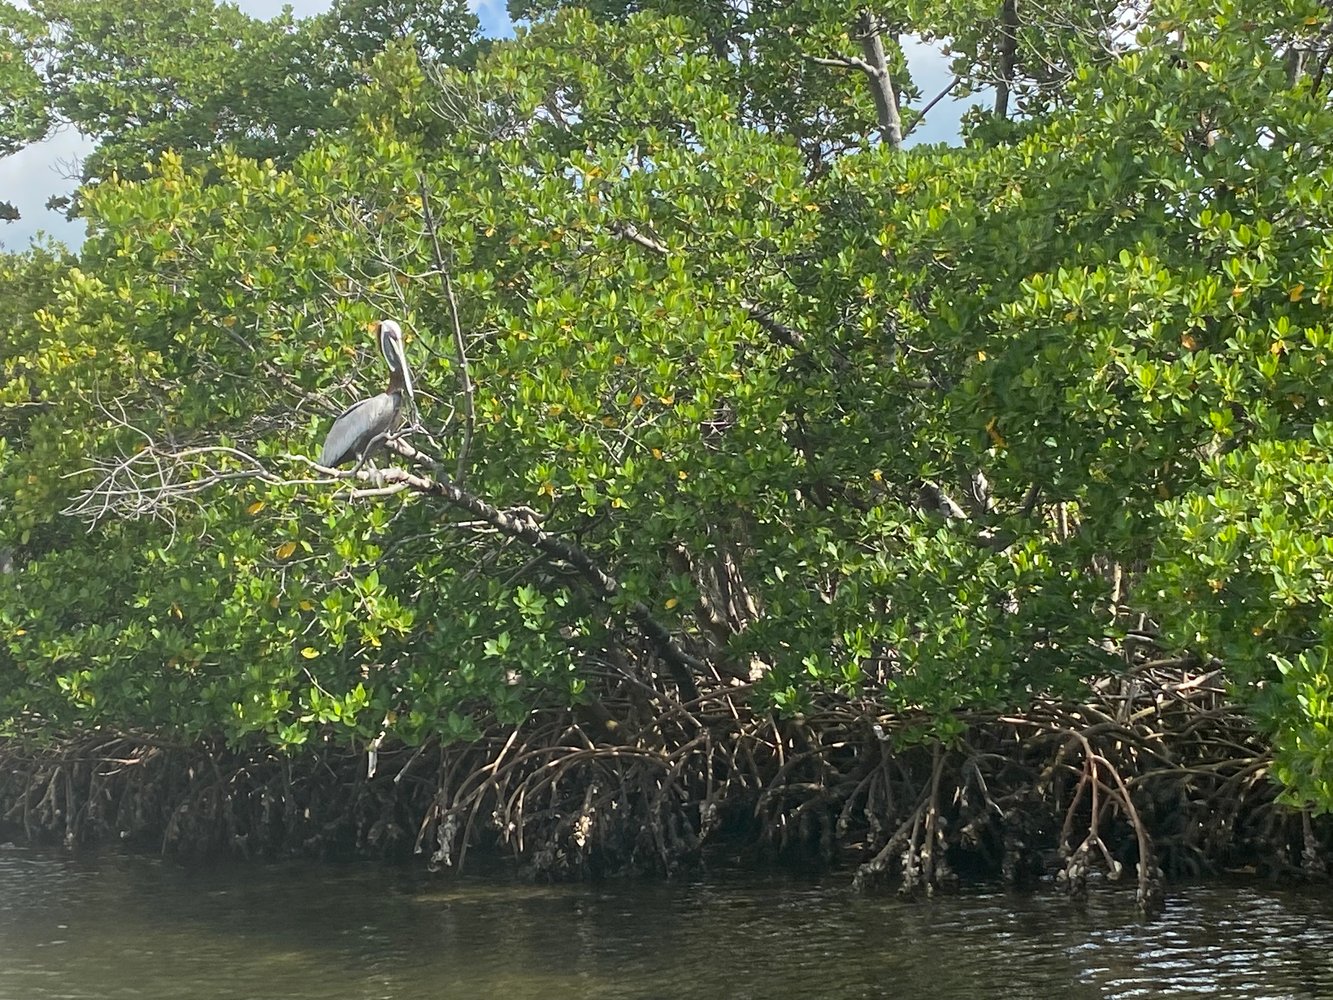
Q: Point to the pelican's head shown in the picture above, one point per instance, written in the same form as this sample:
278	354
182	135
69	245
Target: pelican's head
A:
391	343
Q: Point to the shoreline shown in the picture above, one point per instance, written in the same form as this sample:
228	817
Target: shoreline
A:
1160	766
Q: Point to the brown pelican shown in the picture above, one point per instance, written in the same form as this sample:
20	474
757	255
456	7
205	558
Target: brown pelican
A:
361	428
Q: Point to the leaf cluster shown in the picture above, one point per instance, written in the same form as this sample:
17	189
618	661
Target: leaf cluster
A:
928	430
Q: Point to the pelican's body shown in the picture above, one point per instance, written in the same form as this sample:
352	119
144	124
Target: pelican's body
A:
360	429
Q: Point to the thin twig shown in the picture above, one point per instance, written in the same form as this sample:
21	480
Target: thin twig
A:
921	115
460	348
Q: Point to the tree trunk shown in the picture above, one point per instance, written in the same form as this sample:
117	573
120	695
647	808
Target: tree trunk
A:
881	84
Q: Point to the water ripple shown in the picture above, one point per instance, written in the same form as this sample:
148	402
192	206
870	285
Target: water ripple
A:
121	927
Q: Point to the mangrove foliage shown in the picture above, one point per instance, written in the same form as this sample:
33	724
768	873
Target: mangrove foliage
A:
773	474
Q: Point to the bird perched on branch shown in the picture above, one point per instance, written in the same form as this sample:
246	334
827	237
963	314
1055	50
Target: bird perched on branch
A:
362	428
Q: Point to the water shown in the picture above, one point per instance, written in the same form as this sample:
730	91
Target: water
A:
127	927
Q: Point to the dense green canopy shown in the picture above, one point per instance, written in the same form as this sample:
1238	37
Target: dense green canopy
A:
940	429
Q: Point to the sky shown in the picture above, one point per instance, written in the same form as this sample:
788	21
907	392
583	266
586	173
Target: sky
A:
35	173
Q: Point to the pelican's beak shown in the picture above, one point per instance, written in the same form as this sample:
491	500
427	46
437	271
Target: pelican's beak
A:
391	343
407	376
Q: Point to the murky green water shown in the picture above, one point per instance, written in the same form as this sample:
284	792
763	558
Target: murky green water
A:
113	927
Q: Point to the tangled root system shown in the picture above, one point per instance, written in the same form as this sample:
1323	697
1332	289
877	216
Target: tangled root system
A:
1158	776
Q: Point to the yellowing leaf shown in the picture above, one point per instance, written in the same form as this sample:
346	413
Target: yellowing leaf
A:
255	508
1205	66
638	400
671	602
992	430
306	606
1296	291
1189	342
310	652
682	475
228	321
1277	347
285	550
657	453
667	400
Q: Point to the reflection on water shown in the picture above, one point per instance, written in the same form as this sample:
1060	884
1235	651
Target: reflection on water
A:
113	926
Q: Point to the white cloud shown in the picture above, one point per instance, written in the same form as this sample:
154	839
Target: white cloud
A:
494	17
268	9
31	176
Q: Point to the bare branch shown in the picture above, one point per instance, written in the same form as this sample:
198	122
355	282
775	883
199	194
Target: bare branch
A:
460	348
630	232
152	480
876	69
844	62
524	528
1030	501
781	332
936	499
881	86
1008	53
921	115
379	491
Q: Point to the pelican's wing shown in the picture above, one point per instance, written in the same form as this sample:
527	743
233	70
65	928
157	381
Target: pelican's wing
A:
356	427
